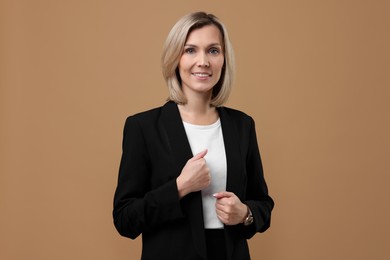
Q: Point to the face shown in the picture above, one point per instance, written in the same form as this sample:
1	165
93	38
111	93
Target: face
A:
201	63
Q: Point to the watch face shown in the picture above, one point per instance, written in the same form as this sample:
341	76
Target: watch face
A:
248	220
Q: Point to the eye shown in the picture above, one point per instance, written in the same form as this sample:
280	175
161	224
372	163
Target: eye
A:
189	50
214	51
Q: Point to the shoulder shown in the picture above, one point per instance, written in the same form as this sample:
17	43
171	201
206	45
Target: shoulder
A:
167	111
144	117
153	119
235	115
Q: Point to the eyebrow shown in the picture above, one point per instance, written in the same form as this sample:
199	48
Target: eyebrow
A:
210	45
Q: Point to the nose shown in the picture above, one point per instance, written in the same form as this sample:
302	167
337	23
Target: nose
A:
203	60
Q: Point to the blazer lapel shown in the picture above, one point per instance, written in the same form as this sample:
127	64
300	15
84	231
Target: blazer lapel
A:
234	158
235	170
181	151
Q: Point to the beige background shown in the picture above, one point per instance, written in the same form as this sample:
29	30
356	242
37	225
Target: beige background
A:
313	74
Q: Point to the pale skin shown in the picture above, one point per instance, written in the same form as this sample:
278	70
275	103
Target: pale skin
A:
200	68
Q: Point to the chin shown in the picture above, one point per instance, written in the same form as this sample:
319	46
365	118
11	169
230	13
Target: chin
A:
203	89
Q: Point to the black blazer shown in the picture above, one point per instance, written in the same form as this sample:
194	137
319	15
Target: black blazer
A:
155	150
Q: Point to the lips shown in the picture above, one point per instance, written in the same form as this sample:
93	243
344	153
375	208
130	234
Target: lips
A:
201	74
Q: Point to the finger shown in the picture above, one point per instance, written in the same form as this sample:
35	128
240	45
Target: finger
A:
222	202
221	215
219	206
223	194
221	219
199	155
223	205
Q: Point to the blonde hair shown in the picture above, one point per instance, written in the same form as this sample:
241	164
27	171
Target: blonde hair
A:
174	47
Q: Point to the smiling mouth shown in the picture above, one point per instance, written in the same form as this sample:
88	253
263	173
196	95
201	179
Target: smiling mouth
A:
202	74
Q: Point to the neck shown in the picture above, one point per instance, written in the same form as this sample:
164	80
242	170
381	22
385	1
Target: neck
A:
198	111
198	107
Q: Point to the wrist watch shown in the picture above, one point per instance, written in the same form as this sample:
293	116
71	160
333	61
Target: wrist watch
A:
249	218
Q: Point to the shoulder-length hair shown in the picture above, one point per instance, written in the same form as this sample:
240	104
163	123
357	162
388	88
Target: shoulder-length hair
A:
174	47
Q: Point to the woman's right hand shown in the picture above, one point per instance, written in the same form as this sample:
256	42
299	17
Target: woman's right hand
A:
195	175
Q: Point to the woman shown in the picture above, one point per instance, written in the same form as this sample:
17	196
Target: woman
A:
190	179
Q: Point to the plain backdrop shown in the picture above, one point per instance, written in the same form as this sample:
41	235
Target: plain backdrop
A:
313	74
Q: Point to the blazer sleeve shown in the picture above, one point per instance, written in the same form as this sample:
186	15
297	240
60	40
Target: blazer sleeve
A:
138	208
257	198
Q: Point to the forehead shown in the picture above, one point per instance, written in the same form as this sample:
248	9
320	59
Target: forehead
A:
205	35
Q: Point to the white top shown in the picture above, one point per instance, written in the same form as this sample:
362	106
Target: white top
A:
210	137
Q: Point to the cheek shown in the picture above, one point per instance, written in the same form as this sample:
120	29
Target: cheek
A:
181	67
219	64
183	63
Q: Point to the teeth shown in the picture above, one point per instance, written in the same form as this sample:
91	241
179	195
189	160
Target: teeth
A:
201	74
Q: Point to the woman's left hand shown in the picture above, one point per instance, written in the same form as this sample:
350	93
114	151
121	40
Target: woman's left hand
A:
230	210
